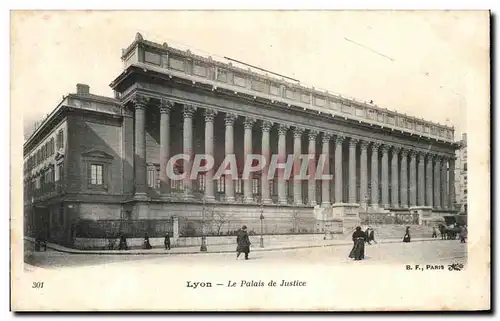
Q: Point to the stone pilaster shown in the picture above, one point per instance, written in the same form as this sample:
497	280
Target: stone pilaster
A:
444	183
404	178
451	183
374	176
247	181
209	150
339	195
311	184
352	170
363	174
437	182
188	113
395	177
325	184
282	195
165	108
385	176
297	151
428	181
413	178
421	179
266	152
229	146
140	103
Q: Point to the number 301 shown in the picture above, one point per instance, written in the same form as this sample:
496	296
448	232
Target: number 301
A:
37	285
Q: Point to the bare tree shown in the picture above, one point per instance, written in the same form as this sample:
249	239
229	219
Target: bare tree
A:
219	218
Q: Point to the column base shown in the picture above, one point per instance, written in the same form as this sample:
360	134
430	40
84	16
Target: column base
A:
283	202
248	200
165	197
298	203
313	203
325	204
141	196
230	199
267	201
210	199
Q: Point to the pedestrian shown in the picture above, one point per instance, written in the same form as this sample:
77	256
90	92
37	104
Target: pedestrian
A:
407	237
147	245
358	249
167	241
243	242
434	232
123	243
367	233
462	234
371	236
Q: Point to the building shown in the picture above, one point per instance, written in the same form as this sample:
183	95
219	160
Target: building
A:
96	167
461	176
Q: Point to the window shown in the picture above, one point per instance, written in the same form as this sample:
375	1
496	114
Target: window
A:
154	176
255	186
221	184
96	174
201	182
60	172
52	146
465	167
238	187
271	187
60	139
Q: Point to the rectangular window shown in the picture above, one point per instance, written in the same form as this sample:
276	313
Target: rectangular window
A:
151	177
60	139
96	174
201	182
255	186
221	184
465	167
238	187
271	187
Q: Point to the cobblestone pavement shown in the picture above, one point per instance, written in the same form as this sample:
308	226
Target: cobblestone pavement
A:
434	252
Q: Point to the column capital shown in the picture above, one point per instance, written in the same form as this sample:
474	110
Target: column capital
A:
140	101
353	142
364	144
444	164
396	149
266	125
210	115
375	146
313	134
413	154
166	106
404	152
339	139
230	118
248	122
282	129
297	132
188	111
429	156
385	148
326	137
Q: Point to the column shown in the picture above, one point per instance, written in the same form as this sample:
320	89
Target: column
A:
451	183
363	174
311	184
437	182
297	151
339	197
247	181
188	148
266	128
395	177
413	178
374	177
325	184
140	103
165	108
229	147
352	170
209	150
385	176
282	196
421	179
404	178
444	183
428	181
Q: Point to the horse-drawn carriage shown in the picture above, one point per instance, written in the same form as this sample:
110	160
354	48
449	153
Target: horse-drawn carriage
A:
451	228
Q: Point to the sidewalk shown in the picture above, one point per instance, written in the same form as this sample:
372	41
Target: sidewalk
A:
222	248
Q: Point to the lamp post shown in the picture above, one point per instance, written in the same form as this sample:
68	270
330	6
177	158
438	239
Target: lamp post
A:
203	247
261	225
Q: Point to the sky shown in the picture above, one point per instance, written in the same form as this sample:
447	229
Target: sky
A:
425	64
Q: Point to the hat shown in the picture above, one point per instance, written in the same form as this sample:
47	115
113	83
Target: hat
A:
244	227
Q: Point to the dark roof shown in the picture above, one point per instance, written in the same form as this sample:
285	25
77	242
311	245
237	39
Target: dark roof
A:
97	98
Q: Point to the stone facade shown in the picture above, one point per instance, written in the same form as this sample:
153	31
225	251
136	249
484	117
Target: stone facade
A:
171	102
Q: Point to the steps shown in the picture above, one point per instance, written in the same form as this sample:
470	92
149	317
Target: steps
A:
394	231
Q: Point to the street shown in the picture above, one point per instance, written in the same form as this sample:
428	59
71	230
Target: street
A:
430	252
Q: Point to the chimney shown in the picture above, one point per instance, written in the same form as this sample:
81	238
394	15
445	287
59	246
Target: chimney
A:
82	89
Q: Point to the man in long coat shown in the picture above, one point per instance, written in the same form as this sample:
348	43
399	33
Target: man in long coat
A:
243	242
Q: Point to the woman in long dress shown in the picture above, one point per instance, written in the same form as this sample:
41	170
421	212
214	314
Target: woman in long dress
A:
243	242
407	237
358	249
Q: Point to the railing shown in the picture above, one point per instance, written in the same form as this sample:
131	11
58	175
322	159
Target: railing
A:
388	218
